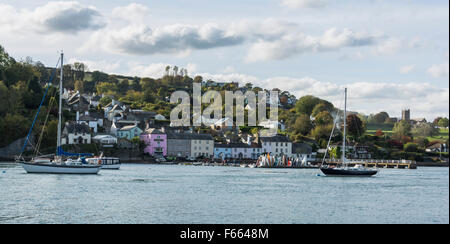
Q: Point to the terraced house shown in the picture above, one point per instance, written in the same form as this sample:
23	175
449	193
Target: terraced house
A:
155	141
129	132
276	145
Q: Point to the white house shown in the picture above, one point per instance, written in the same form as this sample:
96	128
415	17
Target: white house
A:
95	100
276	145
269	124
202	145
92	120
74	133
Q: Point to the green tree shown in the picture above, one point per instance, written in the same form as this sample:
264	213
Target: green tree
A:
13	127
410	147
443	122
98	76
425	130
380	118
402	128
321	107
106	88
105	101
323	118
303	124
79	86
306	104
322	132
355	126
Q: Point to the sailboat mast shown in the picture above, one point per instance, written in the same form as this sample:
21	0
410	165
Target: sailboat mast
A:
345	127
60	101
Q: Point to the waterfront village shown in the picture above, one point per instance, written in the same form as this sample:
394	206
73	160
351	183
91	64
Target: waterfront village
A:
146	136
118	126
128	117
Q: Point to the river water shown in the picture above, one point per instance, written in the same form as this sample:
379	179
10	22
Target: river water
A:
197	194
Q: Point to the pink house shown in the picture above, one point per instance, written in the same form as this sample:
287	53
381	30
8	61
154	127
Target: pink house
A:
155	141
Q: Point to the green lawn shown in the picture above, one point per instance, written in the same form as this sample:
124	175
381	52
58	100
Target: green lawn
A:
443	135
385	128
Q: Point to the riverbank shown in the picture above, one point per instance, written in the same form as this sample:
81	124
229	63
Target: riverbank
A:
151	162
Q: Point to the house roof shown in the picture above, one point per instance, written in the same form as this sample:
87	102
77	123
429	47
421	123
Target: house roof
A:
189	136
128	127
77	128
232	145
90	117
154	131
278	138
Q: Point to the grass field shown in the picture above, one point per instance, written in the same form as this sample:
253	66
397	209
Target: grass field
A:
386	128
443	135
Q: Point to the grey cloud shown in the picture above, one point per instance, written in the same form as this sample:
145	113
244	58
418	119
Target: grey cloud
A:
74	20
171	39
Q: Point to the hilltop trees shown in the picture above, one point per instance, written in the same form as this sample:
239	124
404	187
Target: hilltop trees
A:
443	122
306	105
303	125
355	126
380	118
425	130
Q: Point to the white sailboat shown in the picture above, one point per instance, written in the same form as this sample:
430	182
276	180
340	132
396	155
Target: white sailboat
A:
57	165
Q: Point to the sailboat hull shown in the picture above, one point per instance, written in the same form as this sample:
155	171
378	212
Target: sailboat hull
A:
348	172
60	169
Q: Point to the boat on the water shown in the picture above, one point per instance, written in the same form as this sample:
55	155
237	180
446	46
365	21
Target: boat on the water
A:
60	168
357	170
61	163
105	162
344	169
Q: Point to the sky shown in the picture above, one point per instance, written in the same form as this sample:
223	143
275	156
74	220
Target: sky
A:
390	54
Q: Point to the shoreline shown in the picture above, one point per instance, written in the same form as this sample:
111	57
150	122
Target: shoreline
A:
145	162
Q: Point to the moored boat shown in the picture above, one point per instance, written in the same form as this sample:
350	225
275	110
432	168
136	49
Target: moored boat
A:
105	162
59	168
61	162
345	170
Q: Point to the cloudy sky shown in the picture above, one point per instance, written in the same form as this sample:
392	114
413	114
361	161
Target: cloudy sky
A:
391	54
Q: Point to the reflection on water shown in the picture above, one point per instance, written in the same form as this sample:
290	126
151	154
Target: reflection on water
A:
188	194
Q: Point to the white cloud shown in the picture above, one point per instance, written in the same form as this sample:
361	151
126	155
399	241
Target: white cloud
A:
101	65
156	70
303	3
298	43
133	12
407	69
389	46
177	38
54	17
426	99
438	70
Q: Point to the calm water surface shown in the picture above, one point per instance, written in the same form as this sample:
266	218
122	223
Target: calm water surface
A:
190	194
